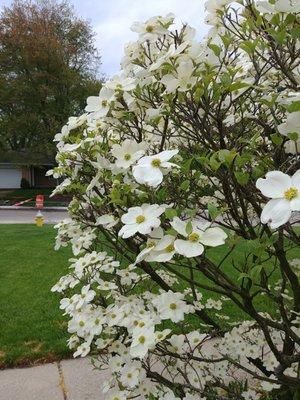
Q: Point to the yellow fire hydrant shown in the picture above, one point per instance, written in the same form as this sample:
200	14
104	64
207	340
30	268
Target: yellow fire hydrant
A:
39	219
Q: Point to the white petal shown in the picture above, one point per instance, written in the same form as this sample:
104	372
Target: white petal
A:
170	82
147	226
160	256
156	233
213	237
166	155
164	242
143	254
179	226
93	103
127	230
295	204
275	184
296	179
145	161
131	215
276	212
188	248
147	175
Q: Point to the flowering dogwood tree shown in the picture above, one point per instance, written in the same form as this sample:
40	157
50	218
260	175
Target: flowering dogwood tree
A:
186	192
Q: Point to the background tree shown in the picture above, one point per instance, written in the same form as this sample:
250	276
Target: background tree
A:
48	66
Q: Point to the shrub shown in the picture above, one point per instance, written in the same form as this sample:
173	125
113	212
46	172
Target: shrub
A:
185	192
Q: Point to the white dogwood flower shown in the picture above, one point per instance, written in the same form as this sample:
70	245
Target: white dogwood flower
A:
132	374
85	297
171	306
200	235
99	105
143	340
153	238
284	192
141	219
82	350
149	169
127	153
291	124
153	28
183	79
107	221
121	83
163	251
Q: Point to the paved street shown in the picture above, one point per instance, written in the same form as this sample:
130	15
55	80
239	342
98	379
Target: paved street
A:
21	216
64	380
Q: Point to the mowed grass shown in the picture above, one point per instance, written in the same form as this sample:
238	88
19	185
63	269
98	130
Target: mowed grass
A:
32	327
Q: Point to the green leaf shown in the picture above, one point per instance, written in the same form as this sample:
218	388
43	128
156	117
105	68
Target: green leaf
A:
249	45
255	271
243	275
296	32
161	194
214	163
198	93
295	106
185	185
293	136
216	49
213	211
186	166
189	228
170	213
237	85
171	232
242	177
276	138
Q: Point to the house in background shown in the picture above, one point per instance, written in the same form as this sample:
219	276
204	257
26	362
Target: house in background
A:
17	165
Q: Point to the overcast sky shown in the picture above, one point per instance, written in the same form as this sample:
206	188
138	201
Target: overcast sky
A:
111	20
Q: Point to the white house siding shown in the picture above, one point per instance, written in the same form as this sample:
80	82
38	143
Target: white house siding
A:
10	177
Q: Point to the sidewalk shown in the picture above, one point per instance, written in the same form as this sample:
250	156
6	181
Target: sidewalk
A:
64	380
9	215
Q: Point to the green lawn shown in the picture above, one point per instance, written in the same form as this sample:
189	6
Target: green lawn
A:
32	326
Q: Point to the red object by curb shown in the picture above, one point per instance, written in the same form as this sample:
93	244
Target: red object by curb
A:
39	201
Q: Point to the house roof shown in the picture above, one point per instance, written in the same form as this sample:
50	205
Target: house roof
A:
25	158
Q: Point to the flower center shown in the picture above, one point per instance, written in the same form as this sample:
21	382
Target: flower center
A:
156	162
127	156
193	237
81	323
139	219
149	28
173	306
104	103
169	248
150	244
142	339
291	193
